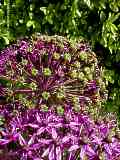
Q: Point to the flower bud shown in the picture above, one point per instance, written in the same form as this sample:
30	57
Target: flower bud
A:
77	64
44	108
56	56
47	72
74	74
89	76
60	110
83	56
33	86
34	72
81	76
67	57
45	95
87	70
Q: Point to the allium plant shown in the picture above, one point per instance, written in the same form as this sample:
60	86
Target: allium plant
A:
37	135
48	88
47	72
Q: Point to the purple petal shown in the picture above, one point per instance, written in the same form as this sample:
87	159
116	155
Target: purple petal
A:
3	141
45	152
74	147
107	148
82	153
58	153
71	156
90	151
33	125
58	125
54	133
51	153
45	141
22	140
66	139
74	123
97	140
31	141
41	130
38	118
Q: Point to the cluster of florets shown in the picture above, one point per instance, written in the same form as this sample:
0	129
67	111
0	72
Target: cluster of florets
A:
38	135
48	88
50	71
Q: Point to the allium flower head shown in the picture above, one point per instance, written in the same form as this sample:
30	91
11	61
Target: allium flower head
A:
46	135
51	71
50	85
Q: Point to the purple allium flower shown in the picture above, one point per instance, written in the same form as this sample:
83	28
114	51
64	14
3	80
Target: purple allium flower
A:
48	135
50	71
50	86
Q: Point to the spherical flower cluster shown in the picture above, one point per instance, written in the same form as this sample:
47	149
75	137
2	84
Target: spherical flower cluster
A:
48	86
49	72
38	135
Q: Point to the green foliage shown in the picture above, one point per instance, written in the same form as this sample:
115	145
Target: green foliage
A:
109	75
96	21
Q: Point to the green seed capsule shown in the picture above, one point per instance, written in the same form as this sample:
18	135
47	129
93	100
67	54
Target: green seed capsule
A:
87	70
77	107
77	64
45	95
60	95
92	68
117	133
33	86
29	49
103	86
75	99
2	120
67	56
99	81
85	157
111	134
81	76
90	76
24	62
85	81
22	98
60	110
34	72
83	56
29	104
56	56
44	108
74	74
102	155
47	72
26	102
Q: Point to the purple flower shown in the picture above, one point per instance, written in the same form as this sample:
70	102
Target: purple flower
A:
46	134
9	136
49	91
50	66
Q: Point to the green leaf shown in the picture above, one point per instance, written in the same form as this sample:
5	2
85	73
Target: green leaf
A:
114	7
6	40
102	16
30	23
109	75
44	10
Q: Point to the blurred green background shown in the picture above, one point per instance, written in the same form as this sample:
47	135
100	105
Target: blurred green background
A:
96	21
